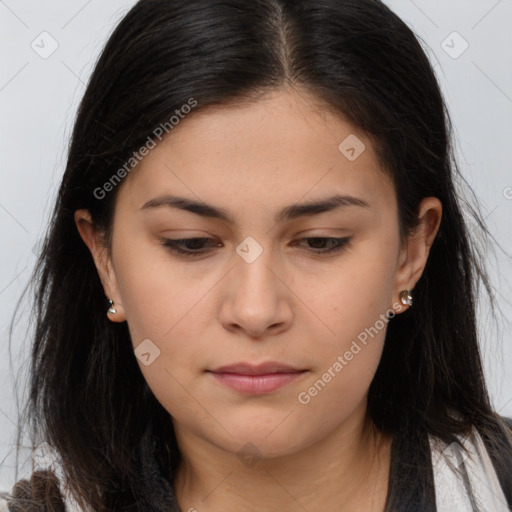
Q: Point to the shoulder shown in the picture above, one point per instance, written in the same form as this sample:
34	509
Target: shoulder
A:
463	473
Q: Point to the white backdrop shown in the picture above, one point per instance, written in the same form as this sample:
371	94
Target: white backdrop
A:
48	50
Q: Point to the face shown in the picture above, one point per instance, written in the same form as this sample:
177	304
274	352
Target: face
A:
260	282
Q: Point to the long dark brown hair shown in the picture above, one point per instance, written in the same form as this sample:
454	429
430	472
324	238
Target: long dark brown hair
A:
88	397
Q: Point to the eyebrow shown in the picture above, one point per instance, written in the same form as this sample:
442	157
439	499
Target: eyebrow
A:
291	212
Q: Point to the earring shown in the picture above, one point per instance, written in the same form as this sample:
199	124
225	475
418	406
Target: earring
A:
406	297
111	309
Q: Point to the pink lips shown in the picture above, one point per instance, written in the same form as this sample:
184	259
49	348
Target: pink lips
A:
256	379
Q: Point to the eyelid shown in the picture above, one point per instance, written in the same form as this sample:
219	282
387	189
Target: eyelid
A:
174	245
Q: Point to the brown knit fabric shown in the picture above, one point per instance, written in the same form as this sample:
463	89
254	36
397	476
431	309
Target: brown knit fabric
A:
41	493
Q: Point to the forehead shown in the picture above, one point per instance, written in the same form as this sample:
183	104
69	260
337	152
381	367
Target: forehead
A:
282	148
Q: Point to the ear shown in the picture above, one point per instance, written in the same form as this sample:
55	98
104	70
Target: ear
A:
415	250
95	241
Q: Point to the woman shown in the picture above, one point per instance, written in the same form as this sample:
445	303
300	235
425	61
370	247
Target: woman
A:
260	196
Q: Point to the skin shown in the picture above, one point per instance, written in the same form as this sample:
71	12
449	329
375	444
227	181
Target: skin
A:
290	304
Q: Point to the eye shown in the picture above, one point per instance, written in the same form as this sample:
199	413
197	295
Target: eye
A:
192	246
195	246
336	244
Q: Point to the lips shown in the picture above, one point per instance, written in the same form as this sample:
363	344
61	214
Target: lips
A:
260	369
256	379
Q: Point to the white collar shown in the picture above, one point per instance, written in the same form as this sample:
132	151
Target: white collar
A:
460	477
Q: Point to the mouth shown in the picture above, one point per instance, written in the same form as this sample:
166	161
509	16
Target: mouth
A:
256	379
266	368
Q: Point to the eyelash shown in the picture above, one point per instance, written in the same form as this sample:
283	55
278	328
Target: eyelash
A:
175	245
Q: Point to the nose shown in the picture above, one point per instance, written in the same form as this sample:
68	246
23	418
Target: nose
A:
256	299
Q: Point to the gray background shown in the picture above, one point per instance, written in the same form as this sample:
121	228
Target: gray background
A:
38	99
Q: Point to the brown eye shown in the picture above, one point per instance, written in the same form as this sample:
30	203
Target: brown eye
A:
189	246
324	245
196	246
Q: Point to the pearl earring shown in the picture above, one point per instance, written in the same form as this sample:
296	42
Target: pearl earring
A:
406	297
111	309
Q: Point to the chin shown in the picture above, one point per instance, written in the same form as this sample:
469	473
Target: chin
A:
259	441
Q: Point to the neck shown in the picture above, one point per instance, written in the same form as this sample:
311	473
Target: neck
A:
346	470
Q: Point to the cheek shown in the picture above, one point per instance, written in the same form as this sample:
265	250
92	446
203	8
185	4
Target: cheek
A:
355	303
168	310
159	294
355	294
346	361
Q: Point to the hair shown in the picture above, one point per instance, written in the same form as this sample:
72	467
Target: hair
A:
87	396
